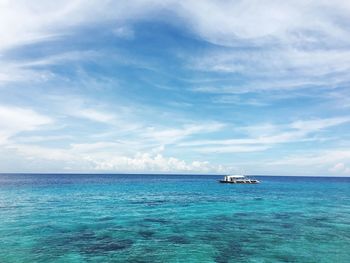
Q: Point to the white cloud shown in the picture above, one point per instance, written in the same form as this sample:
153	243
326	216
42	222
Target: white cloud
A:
35	70
156	163
95	115
281	43
34	152
265	136
14	120
278	62
93	147
220	21
318	124
169	136
280	69
120	155
225	21
93	157
124	32
237	100
120	118
314	162
231	149
11	72
65	57
313	159
23	22
340	168
43	138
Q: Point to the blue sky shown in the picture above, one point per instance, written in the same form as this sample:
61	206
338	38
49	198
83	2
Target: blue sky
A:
260	87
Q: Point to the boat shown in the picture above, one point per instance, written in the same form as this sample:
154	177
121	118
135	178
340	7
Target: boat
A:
238	179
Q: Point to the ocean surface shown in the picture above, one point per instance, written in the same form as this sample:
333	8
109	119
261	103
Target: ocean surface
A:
172	218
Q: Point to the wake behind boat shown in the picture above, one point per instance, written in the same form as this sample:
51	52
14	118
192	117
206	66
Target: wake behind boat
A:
238	179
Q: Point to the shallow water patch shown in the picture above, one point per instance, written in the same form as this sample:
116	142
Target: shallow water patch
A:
105	245
179	240
157	220
105	218
146	233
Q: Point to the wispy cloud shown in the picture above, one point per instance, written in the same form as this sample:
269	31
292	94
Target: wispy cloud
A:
238	100
14	120
124	32
333	161
293	22
340	168
169	136
267	135
94	115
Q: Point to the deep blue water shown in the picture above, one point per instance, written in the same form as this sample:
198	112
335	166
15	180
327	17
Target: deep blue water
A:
172	218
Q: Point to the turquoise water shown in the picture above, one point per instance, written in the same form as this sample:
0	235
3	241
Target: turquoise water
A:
163	218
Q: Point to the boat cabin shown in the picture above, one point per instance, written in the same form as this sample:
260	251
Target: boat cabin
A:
238	179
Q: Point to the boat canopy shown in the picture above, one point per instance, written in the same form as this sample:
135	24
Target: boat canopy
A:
235	176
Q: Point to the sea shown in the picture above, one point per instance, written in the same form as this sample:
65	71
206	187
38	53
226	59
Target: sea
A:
172	218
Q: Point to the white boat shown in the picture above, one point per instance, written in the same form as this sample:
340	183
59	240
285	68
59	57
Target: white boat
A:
238	179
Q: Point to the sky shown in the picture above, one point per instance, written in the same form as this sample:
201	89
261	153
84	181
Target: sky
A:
203	87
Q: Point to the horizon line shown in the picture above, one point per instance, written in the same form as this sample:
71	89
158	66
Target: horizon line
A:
181	174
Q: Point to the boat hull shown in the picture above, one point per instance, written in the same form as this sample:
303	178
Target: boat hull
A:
239	182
